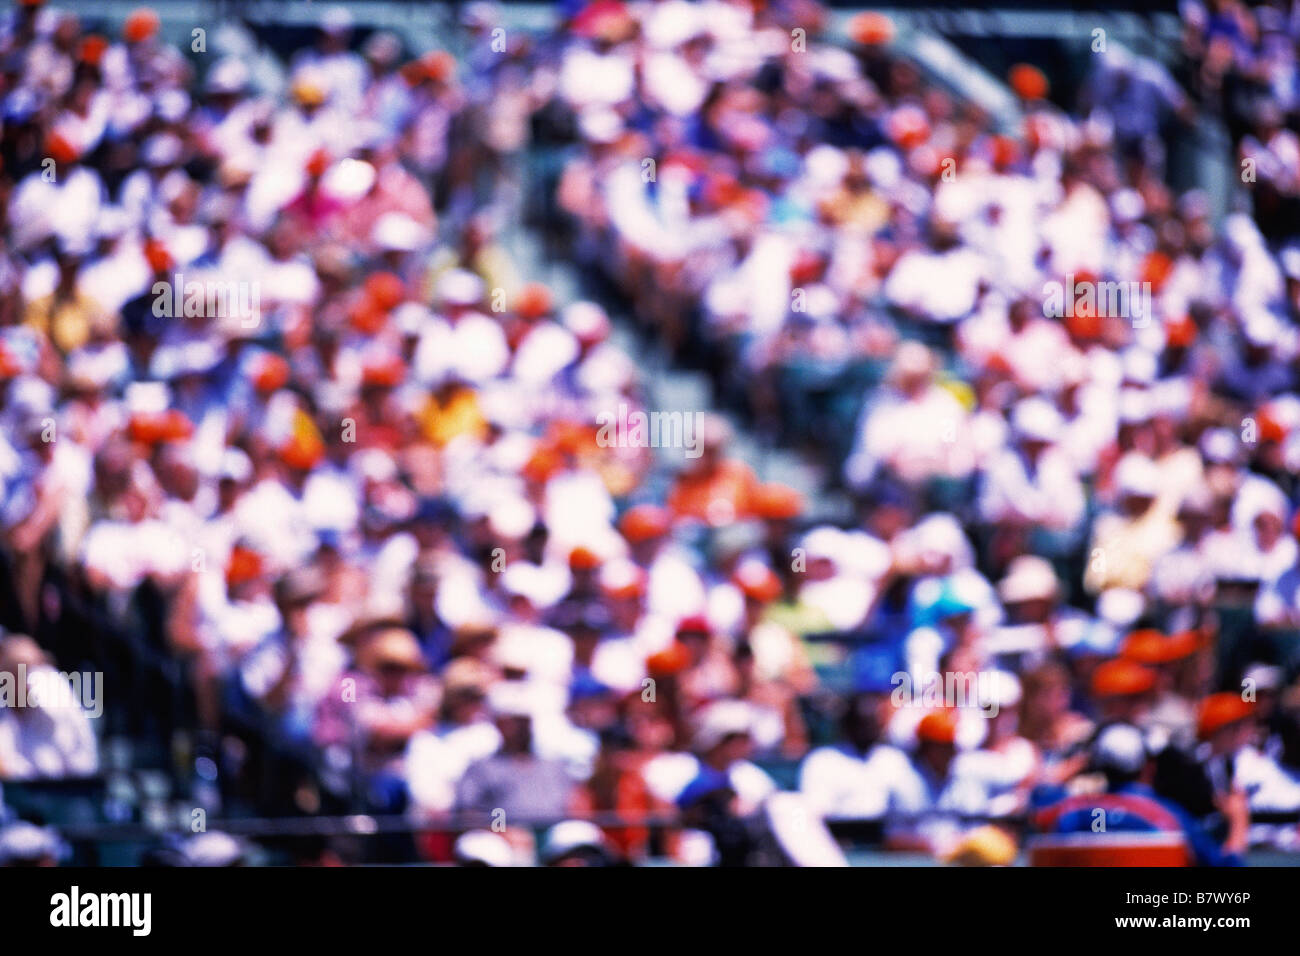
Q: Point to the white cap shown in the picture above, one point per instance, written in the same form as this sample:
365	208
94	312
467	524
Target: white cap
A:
460	287
351	179
398	232
720	721
1035	419
564	838
484	846
212	849
1137	475
1120	747
25	842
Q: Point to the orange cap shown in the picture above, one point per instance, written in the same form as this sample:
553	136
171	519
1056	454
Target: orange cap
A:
757	582
318	162
534	301
367	316
152	428
59	148
385	372
302	451
777	502
1219	710
1150	646
91	49
1121	678
270	372
156	254
1028	82
385	289
673	659
1180	332
938	727
141	24
644	522
871	29
244	565
544	463
583	559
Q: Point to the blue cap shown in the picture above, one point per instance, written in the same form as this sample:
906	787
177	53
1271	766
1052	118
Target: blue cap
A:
706	782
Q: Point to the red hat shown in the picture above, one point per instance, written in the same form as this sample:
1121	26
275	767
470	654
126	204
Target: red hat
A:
244	565
152	428
871	29
1121	678
544	463
1028	82
318	162
367	316
59	148
91	49
938	727
1180	332
385	289
583	559
387	371
156	254
777	502
671	660
302	451
140	25
269	372
534	301
645	522
1150	647
1219	710
695	624
757	581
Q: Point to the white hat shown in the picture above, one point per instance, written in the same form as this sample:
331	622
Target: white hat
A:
511	517
720	721
1137	475
25	842
1135	406
398	232
484	846
599	124
1029	578
586	320
460	287
1120	747
563	838
1035	419
228	76
162	149
213	848
351	179
1219	446
508	697
1139	366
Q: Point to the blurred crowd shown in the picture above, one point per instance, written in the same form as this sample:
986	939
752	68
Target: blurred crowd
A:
1243	65
282	410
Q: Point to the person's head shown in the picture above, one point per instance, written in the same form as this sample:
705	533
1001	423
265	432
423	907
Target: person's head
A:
936	740
512	711
391	656
864	719
1120	753
1226	722
1029	590
694	635
24	845
1122	690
